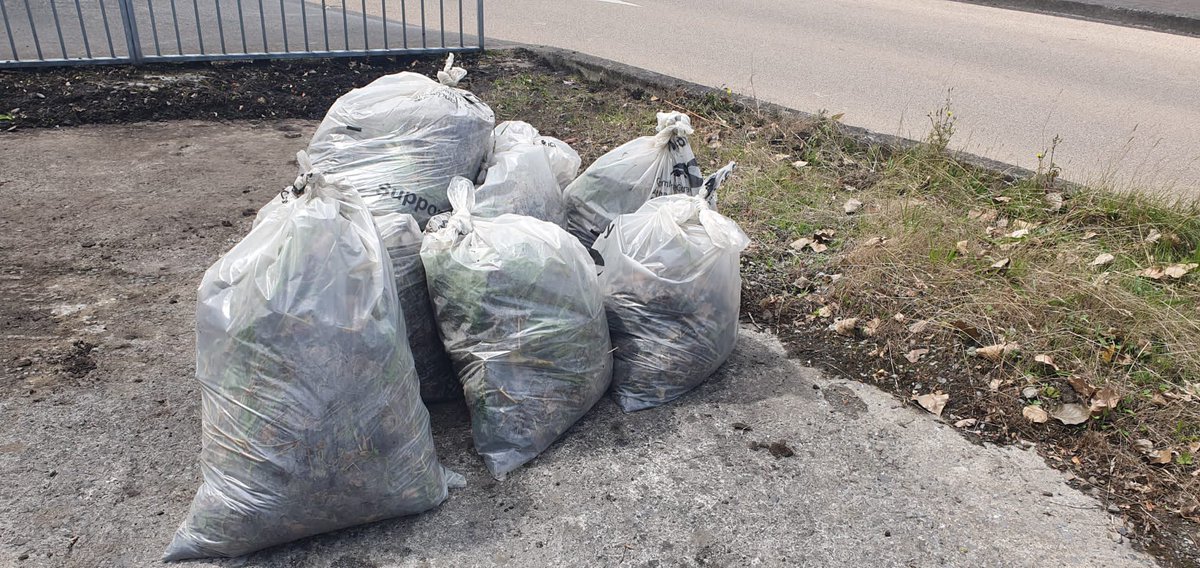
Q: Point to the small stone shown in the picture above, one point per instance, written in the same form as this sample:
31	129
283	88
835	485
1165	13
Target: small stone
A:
248	212
1029	392
24	362
53	472
226	223
87	244
1123	531
23	556
887	533
153	89
39	95
1114	509
291	135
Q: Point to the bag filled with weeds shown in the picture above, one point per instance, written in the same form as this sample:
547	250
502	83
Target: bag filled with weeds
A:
514	134
402	238
520	312
312	419
672	291
623	179
400	139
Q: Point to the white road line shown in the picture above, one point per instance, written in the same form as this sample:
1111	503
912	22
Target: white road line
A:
621	2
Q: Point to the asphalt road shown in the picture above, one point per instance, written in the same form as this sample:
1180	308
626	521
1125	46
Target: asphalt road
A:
1123	100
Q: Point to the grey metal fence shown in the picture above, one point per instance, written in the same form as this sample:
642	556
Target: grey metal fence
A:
73	32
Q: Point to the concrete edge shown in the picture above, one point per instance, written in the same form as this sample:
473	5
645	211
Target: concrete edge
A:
1144	19
611	72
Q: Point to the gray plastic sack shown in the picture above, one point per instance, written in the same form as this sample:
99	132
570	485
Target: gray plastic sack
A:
520	311
402	238
672	291
399	140
312	420
622	180
512	134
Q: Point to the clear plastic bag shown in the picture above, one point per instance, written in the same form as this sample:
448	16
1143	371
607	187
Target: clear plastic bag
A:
672	291
622	180
402	238
399	140
520	311
312	417
512	134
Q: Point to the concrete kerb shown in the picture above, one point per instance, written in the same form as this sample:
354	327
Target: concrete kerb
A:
613	73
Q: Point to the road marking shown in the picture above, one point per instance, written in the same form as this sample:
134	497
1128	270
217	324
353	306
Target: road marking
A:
621	2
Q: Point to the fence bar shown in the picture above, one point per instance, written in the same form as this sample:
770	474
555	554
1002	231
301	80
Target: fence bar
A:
385	24
199	26
366	42
283	20
58	28
423	45
262	24
154	27
175	22
8	28
220	26
479	19
33	28
325	24
404	22
107	32
132	40
304	22
442	20
460	24
242	26
345	27
87	48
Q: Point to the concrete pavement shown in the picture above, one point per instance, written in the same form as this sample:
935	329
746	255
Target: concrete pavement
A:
1123	100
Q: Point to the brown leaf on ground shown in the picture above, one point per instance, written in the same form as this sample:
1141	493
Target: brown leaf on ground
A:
799	164
982	216
995	353
933	402
824	235
966	423
963	247
1071	414
1046	362
1153	237
852	206
1105	399
919	326
871	329
1159	399
800	244
846	326
1081	386
1054	202
967	329
1035	414
1143	445
1001	265
825	312
1002	199
1153	273
1089	235
1178	271
1019	234
1102	260
915	355
818	247
1160	457
994	385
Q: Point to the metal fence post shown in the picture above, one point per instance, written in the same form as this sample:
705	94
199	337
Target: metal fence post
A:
131	34
479	15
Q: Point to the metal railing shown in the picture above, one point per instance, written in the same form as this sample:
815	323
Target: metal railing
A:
73	32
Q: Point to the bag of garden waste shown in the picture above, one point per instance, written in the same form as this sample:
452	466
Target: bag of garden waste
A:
312	419
520	311
672	291
623	179
402	238
519	182
512	134
399	140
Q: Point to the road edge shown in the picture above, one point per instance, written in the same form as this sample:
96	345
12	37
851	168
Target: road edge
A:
1128	17
606	71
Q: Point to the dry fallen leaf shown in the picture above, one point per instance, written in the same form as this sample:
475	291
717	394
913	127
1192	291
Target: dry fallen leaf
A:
872	327
919	326
1035	414
1046	362
1158	399
852	206
824	235
934	402
800	244
1178	271
1089	235
818	247
1143	445
915	355
1153	273
899	317
845	326
825	312
1153	237
1054	202
1160	457
1071	414
963	247
994	385
966	423
982	216
995	353
1105	399
1019	234
799	164
1102	260
1001	265
1002	199
967	329
1081	386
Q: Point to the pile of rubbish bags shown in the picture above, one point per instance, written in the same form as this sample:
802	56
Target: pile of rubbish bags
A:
425	254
